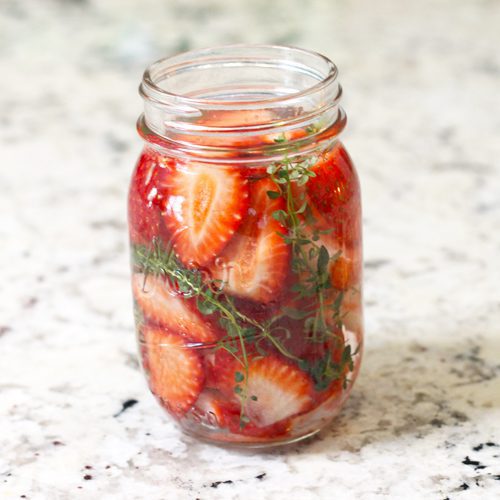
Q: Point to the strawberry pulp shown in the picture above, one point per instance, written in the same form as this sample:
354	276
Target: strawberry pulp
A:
247	290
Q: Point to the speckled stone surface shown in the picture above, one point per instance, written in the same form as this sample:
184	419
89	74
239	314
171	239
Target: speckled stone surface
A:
421	84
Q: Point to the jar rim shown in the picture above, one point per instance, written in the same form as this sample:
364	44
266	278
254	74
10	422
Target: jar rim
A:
151	89
243	98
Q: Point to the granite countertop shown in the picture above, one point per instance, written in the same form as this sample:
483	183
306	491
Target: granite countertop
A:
421	84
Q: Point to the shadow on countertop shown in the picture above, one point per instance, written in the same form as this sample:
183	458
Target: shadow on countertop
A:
416	388
409	388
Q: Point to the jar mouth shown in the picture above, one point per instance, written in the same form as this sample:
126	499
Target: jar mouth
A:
237	100
156	77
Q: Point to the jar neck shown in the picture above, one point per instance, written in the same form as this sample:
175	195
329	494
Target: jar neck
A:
250	102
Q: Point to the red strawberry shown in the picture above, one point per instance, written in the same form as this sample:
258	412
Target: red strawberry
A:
255	263
234	121
345	269
161	305
219	367
233	124
230	126
146	198
276	389
212	407
216	410
205	207
332	186
334	198
344	273
175	371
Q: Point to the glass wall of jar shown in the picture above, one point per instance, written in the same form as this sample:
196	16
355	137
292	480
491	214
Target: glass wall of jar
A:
245	230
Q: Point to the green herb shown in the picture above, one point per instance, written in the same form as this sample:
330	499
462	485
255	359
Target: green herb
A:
310	260
210	299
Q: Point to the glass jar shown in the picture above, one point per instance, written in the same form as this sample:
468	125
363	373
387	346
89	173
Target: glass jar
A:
245	229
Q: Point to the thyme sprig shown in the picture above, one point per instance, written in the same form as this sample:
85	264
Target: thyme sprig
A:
209	294
310	258
210	299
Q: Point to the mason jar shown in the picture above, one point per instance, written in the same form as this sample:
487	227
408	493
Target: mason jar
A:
245	235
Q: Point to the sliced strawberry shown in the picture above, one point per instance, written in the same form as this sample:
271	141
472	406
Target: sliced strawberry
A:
205	207
344	267
334	184
175	371
215	409
232	125
235	120
255	264
161	305
218	406
343	273
276	389
281	390
221	366
147	196
334	198
345	264
231	135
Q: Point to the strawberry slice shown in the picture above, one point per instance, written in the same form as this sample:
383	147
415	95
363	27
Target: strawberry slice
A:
147	197
205	207
276	389
346	269
344	273
175	371
215	409
334	198
161	305
281	390
335	182
233	124
234	120
255	264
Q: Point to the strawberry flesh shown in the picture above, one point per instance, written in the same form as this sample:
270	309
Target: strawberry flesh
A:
175	371
205	207
334	198
147	196
161	305
255	264
281	390
276	389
